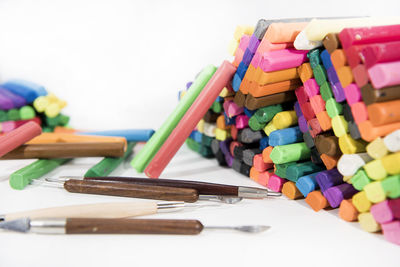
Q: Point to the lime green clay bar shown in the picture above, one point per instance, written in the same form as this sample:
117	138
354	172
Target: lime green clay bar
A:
289	153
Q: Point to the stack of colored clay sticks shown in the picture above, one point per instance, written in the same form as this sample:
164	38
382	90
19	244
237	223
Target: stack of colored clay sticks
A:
369	54
268	87
257	133
249	125
377	177
342	63
22	101
315	124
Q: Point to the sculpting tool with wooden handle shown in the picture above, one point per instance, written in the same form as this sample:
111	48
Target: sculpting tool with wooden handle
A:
118	226
203	188
119	189
103	210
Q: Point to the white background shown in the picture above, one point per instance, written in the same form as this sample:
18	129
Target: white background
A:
119	64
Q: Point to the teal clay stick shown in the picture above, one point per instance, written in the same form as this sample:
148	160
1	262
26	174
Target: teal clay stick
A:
289	153
146	154
108	164
21	178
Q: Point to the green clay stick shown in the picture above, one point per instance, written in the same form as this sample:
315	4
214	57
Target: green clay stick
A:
108	164
21	178
146	154
289	153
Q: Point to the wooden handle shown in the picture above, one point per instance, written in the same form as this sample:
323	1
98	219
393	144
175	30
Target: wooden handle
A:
201	187
98	210
131	190
133	226
67	150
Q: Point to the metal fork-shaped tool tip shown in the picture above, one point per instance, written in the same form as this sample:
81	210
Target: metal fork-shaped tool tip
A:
223	199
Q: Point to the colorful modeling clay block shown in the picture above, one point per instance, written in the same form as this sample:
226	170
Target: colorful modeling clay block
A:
253	103
326	59
288	153
17	101
21	178
301	95
360	179
339	126
275	183
248	136
374	192
370	132
347	211
392	141
266	114
368	223
360	74
274	88
307	184
391	163
107	165
386	211
328	145
19	136
269	128
331	42
326	91
348	145
337	193
370	95
281	169
285	136
329	161
131	135
249	154
284	119
311	88
361	202
303	124
368	35
260	165
316	200
391	231
320	74
391	186
377	148
384	113
305	72
328	178
295	171
333	108
266	153
317	104
384	74
284	32
282	59
290	190
350	163
28	90
316	29
380	52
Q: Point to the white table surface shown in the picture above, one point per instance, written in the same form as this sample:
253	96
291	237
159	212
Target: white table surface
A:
298	237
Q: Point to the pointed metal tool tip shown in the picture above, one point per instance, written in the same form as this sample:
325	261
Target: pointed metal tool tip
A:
254	228
21	225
